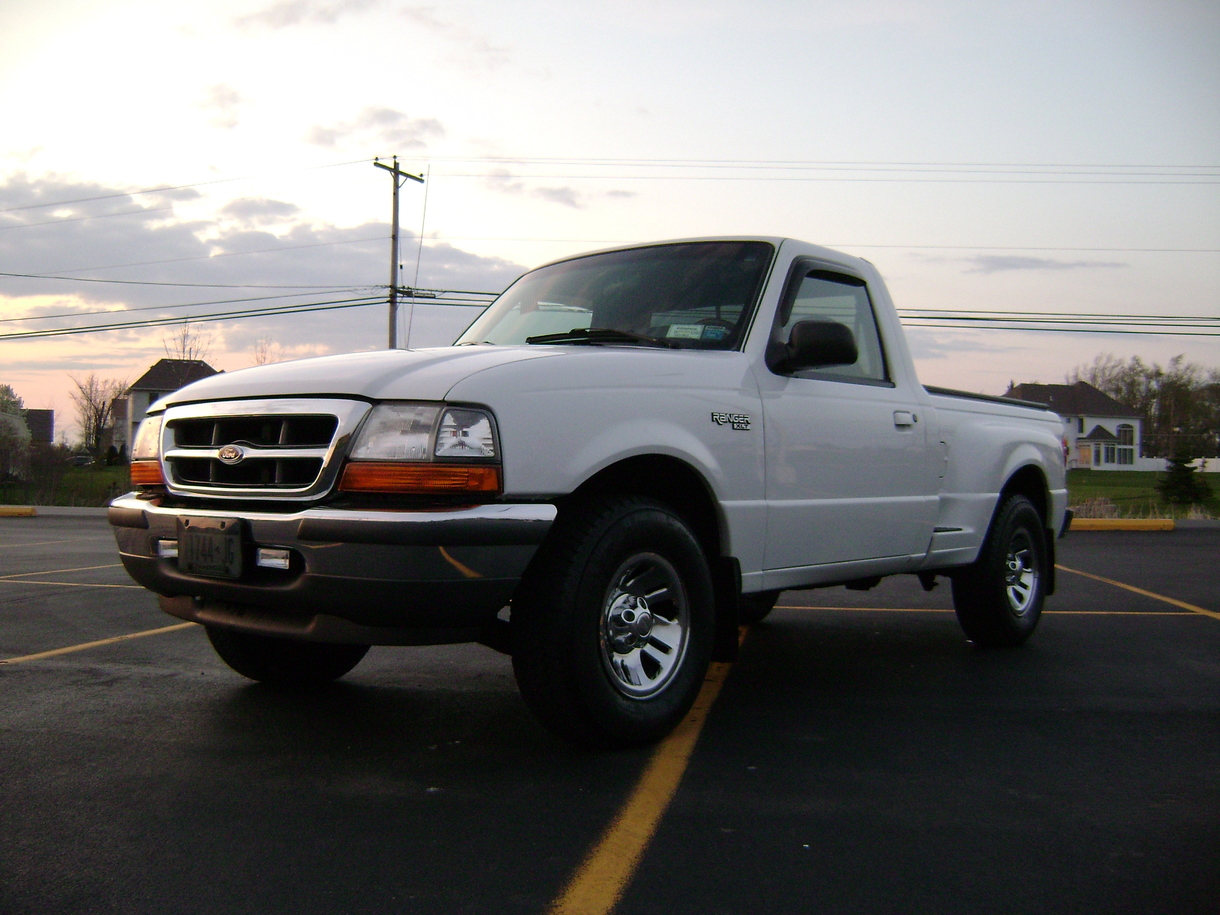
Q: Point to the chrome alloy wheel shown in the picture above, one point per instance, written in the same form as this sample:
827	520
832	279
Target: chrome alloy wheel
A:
645	623
1021	573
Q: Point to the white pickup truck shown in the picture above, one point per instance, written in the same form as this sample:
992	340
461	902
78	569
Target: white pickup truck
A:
629	454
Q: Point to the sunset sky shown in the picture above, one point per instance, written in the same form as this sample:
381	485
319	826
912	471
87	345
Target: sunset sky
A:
1035	157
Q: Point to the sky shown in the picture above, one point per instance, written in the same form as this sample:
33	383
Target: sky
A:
1037	157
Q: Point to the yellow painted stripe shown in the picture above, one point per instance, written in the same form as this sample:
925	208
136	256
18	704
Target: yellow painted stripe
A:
17	511
66	584
943	610
100	642
602	879
1161	597
10	546
113	565
1122	524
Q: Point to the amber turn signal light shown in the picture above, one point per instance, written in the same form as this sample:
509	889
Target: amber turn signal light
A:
420	479
146	473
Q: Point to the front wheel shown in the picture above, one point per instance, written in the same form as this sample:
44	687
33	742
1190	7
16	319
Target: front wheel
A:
999	598
284	662
613	628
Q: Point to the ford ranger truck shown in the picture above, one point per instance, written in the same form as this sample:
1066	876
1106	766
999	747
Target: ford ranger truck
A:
626	456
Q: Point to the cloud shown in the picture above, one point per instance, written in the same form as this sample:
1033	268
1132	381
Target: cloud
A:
259	210
562	195
297	12
998	263
476	50
503	181
223	101
380	125
235	249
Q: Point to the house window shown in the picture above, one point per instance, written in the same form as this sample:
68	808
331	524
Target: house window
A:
1126	442
1080	425
1111	456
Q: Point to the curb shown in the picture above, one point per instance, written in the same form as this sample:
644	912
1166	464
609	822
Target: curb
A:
1122	524
17	511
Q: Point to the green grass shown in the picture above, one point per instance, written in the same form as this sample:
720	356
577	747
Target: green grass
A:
1132	494
85	486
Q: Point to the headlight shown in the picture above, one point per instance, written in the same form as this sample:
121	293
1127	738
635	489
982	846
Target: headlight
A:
146	454
424	449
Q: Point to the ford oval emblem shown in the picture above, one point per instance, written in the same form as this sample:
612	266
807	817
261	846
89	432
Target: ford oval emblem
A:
231	454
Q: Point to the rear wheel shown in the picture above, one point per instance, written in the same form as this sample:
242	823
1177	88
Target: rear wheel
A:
613	629
284	662
999	598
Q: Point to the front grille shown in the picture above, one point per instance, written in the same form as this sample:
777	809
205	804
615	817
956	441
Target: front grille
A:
267	448
258	431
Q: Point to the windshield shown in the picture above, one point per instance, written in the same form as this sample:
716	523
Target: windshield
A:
694	295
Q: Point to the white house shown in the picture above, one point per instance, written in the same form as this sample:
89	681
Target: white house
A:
167	376
1101	433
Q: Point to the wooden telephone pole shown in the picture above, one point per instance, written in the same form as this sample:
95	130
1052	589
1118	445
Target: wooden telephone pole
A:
400	178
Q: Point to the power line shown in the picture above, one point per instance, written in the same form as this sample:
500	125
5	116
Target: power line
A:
205	257
197	319
162	308
90	279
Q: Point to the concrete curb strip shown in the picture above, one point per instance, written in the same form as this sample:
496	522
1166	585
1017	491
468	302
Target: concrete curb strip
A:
1122	524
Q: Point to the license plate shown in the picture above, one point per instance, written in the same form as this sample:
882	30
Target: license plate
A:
210	546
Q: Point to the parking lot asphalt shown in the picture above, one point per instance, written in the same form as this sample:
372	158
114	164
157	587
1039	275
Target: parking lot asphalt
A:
861	757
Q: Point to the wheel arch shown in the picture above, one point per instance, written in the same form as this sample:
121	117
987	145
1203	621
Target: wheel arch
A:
681	487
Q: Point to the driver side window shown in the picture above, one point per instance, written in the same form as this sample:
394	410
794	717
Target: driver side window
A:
820	295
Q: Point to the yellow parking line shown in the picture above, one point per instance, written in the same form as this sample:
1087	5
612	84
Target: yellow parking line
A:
601	880
113	565
51	542
100	642
1161	597
66	584
944	610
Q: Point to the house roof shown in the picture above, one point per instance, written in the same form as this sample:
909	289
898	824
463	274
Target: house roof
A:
1079	399
1099	434
171	374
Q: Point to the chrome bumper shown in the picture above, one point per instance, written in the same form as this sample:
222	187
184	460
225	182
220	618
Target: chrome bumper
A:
375	577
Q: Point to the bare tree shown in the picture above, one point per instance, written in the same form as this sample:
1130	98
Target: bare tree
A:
94	398
266	351
187	342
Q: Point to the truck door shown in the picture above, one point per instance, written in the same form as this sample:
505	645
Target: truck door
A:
848	475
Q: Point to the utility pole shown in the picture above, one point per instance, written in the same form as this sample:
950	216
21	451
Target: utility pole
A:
400	178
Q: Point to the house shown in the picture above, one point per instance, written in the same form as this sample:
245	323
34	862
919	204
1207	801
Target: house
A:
167	376
1101	433
41	424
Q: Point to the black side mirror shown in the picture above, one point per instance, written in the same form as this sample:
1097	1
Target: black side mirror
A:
812	345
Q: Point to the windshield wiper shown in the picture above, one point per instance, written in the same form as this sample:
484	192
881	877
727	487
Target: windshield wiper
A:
596	335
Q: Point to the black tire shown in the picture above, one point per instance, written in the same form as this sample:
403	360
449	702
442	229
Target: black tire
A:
753	608
999	598
284	662
597	662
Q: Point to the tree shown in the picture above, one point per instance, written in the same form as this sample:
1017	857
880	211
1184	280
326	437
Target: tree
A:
187	342
266	351
94	398
1181	485
1179	404
14	435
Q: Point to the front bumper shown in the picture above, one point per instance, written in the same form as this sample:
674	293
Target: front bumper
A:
373	577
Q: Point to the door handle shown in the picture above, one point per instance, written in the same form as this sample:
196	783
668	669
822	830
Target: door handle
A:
902	418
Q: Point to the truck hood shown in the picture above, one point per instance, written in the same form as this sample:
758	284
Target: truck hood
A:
426	374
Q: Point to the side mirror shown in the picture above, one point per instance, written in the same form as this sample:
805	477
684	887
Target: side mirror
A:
812	345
